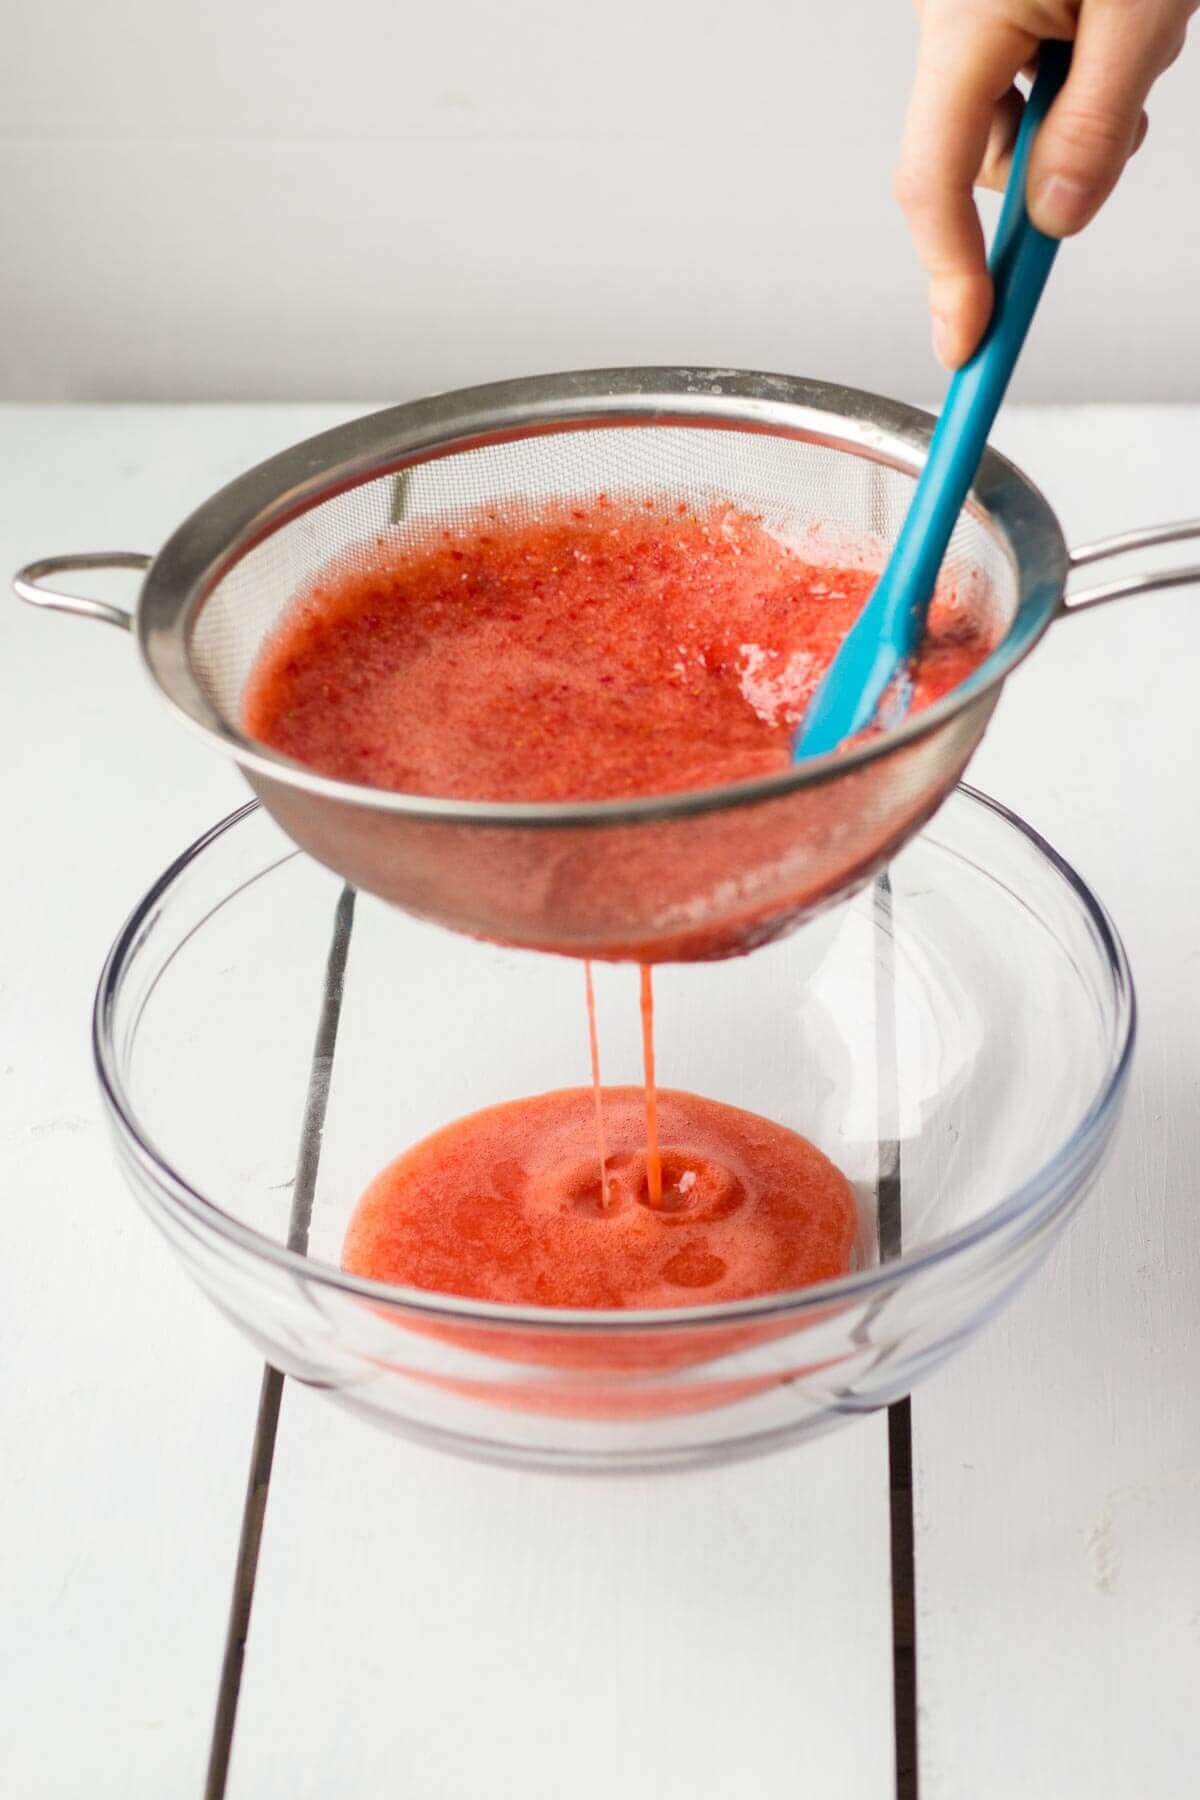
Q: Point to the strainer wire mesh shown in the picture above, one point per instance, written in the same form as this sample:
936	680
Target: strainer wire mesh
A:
835	502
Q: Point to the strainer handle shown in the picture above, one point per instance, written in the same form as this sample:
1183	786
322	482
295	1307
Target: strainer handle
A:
27	582
1177	533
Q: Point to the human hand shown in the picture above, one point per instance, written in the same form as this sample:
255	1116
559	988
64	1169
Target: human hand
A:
962	122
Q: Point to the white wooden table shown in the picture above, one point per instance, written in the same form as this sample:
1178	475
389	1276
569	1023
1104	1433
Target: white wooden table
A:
434	1629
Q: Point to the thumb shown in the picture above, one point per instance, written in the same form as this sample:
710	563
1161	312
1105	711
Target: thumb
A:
1093	127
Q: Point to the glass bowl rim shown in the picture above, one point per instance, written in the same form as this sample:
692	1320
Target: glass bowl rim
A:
1027	1207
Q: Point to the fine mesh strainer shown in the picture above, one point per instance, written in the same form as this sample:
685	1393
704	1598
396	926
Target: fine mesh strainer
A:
680	876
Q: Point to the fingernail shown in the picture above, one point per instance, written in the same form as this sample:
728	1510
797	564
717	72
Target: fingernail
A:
1061	205
943	341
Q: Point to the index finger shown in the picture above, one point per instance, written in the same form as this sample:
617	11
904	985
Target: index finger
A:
962	73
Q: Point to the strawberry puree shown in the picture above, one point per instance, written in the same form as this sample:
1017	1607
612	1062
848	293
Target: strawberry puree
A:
506	1205
596	650
600	649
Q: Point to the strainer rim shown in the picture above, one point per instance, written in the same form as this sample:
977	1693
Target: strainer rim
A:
203	550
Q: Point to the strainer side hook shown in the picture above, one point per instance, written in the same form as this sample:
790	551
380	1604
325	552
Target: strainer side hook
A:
28	584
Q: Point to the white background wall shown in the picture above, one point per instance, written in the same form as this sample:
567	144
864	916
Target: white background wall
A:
365	201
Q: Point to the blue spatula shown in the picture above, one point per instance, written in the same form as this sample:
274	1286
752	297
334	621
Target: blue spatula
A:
889	628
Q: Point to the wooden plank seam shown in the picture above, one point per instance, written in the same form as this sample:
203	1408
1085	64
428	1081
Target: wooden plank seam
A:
262	1453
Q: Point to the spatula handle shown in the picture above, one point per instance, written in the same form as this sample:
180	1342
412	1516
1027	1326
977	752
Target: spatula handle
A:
1021	258
888	631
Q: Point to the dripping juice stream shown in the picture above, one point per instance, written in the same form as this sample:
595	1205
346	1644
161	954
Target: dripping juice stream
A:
653	1160
594	1048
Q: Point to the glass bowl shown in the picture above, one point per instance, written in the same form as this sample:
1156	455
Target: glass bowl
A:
957	1038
